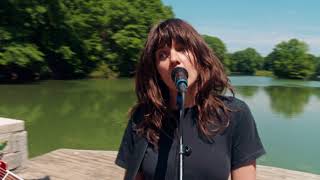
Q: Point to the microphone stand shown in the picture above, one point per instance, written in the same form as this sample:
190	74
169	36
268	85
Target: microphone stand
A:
180	102
180	77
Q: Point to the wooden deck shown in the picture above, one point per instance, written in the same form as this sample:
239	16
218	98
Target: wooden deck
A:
72	164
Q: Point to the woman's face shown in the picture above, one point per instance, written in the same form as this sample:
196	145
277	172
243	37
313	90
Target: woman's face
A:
167	58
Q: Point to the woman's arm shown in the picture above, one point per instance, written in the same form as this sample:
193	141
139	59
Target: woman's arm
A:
247	172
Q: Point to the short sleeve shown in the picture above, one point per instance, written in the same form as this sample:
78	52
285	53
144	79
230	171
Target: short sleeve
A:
246	143
125	147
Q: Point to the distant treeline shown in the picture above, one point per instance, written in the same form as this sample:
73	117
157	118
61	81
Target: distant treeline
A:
68	39
289	59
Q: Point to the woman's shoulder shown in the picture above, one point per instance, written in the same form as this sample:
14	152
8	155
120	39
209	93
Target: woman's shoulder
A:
239	109
233	103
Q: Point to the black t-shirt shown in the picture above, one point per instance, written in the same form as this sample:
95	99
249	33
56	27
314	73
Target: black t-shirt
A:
238	144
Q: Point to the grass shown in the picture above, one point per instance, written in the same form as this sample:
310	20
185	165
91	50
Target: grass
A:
264	73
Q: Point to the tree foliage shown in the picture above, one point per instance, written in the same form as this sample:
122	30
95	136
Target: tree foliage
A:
71	38
65	39
219	49
246	61
291	60
317	71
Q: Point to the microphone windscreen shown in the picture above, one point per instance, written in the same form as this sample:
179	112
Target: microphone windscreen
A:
179	73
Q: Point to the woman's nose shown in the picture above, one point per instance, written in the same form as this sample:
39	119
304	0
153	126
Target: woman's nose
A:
174	56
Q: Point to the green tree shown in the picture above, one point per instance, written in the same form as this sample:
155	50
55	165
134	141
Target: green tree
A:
268	61
23	61
50	30
291	60
71	38
129	24
246	61
219	48
19	57
317	71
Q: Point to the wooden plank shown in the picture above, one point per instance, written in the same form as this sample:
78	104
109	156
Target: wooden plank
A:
65	164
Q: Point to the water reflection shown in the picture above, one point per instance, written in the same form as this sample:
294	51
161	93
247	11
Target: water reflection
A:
247	91
77	114
287	101
69	114
287	142
317	93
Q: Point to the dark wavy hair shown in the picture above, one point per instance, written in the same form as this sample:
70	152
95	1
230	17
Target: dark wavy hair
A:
153	94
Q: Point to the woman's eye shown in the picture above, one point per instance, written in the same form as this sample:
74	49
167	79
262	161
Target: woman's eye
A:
180	48
162	55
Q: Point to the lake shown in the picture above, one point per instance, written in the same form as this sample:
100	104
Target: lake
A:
91	114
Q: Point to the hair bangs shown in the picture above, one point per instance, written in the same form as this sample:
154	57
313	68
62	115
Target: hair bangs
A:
167	33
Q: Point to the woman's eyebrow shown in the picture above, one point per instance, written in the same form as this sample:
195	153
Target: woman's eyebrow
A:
162	48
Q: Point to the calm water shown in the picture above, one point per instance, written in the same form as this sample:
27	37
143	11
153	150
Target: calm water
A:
91	114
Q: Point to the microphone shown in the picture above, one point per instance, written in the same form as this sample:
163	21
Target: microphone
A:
179	76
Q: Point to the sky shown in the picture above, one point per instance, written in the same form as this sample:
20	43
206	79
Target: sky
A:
260	24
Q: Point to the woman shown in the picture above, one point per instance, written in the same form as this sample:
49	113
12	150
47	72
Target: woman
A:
219	129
